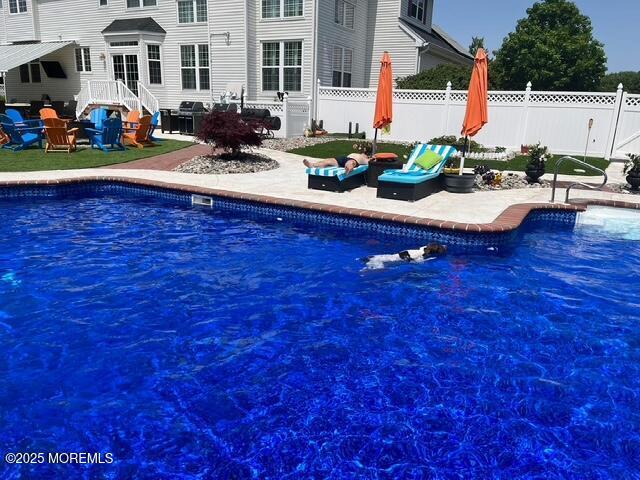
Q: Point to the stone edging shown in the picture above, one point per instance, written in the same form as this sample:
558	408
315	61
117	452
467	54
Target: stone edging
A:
510	219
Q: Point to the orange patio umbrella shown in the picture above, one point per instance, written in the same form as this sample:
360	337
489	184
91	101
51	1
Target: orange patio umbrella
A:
384	99
477	115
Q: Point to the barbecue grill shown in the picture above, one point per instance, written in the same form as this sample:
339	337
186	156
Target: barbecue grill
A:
190	115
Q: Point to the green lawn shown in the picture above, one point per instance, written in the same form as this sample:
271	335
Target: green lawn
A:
345	147
34	159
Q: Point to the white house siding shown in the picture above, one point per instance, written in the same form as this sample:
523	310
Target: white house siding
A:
229	58
20	25
384	33
3	22
331	35
295	28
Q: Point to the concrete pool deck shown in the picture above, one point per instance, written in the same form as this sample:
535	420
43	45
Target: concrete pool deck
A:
287	185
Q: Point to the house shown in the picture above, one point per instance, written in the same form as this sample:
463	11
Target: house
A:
174	50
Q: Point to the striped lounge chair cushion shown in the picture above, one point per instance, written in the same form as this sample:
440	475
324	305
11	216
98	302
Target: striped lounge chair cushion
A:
414	174
336	172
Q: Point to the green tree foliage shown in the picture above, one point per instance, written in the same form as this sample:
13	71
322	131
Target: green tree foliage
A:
476	43
437	78
554	48
630	81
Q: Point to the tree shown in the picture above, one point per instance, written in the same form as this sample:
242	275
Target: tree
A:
630	81
476	43
554	48
437	78
228	131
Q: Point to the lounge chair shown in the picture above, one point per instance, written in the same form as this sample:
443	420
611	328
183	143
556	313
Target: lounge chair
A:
139	136
59	137
334	179
109	138
413	182
21	136
47	113
133	117
19	120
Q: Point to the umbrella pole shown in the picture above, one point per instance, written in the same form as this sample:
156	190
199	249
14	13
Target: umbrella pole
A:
374	145
464	152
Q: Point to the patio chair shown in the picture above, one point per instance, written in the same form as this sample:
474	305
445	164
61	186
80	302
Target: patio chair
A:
19	120
109	138
139	137
98	116
414	182
59	137
155	120
133	117
22	136
70	110
334	179
47	113
58	106
34	109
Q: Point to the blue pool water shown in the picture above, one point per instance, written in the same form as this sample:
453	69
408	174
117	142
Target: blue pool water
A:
192	344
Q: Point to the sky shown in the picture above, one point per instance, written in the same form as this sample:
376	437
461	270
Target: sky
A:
614	24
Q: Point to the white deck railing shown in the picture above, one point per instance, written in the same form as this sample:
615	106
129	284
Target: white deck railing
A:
147	99
115	93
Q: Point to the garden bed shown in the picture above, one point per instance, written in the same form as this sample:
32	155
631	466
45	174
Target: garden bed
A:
221	165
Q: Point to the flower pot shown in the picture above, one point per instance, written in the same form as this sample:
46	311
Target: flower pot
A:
455	183
633	179
534	172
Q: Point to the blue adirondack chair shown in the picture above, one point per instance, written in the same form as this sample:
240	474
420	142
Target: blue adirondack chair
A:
21	136
97	116
19	120
109	137
155	120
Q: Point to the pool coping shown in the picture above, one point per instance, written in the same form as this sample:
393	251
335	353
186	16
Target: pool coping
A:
508	220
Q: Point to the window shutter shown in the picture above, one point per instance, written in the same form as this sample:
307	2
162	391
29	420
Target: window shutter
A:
349	15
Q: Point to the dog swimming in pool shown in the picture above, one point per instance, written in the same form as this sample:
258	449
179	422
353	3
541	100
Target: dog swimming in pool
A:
422	254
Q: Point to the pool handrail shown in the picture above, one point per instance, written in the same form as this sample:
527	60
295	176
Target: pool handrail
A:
575	184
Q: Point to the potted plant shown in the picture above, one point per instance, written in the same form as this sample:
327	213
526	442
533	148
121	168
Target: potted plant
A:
538	156
632	170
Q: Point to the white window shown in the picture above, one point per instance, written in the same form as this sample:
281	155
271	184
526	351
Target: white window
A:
282	66
155	64
83	59
103	3
282	8
17	6
30	72
194	66
141	3
191	11
417	10
345	13
342	65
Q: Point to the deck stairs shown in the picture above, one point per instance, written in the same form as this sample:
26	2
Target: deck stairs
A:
115	95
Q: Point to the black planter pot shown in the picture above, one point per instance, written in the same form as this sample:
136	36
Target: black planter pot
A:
534	172
633	179
455	183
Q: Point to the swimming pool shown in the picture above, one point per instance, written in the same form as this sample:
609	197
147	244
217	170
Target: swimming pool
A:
200	344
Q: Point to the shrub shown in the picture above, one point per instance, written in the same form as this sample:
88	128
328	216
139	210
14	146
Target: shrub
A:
228	131
364	146
458	143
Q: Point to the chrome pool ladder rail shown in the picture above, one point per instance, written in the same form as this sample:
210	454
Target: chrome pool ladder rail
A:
575	184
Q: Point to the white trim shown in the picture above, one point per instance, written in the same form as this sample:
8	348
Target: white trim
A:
281	67
103	6
161	60
195	14
282	16
141	6
197	66
26	5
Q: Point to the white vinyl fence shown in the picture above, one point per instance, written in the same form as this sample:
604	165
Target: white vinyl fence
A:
295	115
557	119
